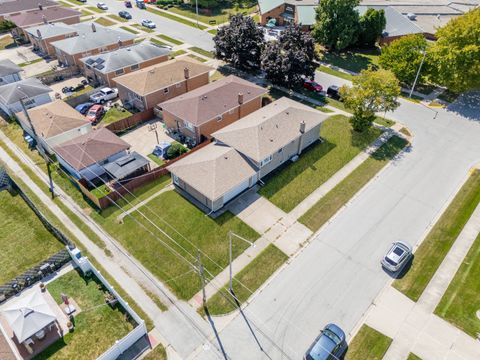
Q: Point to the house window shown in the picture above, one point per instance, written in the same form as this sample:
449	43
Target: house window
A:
266	161
119	72
165	91
134	67
136	96
175	180
280	150
29	102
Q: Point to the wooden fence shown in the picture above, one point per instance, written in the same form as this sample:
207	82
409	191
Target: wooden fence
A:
59	74
131	121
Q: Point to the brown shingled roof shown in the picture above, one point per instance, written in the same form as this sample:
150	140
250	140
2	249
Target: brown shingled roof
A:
207	102
86	150
54	118
51	14
157	77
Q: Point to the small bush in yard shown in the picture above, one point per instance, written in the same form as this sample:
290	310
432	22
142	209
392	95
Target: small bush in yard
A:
176	150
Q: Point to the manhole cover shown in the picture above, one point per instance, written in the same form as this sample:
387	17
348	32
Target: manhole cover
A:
478	314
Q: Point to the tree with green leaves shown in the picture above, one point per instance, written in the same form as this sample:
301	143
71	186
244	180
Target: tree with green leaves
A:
455	55
240	43
290	59
372	91
404	56
175	150
371	26
337	23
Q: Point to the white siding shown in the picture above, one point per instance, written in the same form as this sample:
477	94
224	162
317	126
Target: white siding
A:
8	79
11	109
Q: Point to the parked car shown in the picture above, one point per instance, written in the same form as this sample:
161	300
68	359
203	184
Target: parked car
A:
149	24
104	95
397	256
102	6
95	113
82	1
312	85
140	4
333	92
83	108
330	344
128	4
125	15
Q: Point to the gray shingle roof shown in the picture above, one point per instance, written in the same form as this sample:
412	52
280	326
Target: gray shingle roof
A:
51	30
126	165
8	67
13	92
121	58
88	39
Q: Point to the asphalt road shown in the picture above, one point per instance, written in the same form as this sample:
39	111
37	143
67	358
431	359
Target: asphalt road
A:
337	276
185	33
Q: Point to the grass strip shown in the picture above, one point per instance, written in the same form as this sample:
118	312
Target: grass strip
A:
384	122
170	39
95	9
412	356
129	29
333	201
158	353
30	62
252	276
213	31
117	18
86	13
64	4
105	22
155	41
143	28
177	53
440	239
201	51
198	58
155	299
156	159
175	18
337	73
368	344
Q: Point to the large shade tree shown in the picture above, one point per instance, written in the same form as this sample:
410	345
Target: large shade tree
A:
371	26
290	59
240	43
371	92
337	23
456	53
404	56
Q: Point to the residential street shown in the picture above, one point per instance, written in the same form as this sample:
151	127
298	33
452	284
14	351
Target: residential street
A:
185	33
337	276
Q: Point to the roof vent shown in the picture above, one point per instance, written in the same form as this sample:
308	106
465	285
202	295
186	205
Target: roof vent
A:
94	29
44	19
39	34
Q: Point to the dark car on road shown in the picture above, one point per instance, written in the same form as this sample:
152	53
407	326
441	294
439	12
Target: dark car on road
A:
333	91
125	15
329	345
128	4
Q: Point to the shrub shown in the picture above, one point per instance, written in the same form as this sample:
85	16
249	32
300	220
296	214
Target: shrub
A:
176	150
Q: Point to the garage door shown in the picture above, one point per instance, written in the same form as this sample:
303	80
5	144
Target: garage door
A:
235	191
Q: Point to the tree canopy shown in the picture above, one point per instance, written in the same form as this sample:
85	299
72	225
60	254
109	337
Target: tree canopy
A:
240	42
337	23
290	59
371	26
371	92
403	57
456	53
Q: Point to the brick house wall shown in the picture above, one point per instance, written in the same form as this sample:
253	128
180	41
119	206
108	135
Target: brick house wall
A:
45	45
273	14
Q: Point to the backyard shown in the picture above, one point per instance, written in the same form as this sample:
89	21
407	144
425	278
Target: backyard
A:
290	184
24	240
368	344
114	114
354	60
440	239
97	325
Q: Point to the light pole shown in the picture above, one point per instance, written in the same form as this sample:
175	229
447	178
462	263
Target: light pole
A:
196	10
153	127
231	234
418	73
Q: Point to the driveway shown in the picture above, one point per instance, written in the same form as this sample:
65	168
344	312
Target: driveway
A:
337	276
185	33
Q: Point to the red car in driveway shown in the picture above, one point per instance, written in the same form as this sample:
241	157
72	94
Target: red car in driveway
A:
312	86
95	113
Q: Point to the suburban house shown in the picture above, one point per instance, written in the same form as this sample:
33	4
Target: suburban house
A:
145	88
42	36
44	16
92	39
31	91
9	72
200	112
13	7
245	151
85	156
54	123
104	67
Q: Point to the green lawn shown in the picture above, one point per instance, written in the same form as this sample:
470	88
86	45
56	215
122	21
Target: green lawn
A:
287	186
85	13
203	52
114	114
440	239
170	39
213	31
157	42
86	89
97	326
210	235
356	60
158	353
333	201
156	159
143	28
129	29
177	53
75	2
6	42
461	301
175	18
384	121
117	18
219	15
31	62
412	356
195	57
24	241
95	9
252	276
368	344
336	73
65	4
105	22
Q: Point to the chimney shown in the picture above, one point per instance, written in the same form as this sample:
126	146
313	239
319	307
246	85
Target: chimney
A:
94	29
302	127
240	98
186	73
39	34
119	43
44	19
40	7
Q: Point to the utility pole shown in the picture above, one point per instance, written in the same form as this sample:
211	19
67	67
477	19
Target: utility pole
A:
153	127
202	279
39	147
418	73
196	10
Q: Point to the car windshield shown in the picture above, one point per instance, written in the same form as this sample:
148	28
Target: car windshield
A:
91	113
332	336
390	261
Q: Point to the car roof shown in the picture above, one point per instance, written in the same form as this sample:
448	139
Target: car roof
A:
323	344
